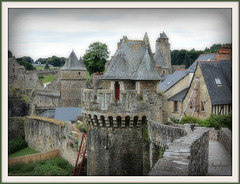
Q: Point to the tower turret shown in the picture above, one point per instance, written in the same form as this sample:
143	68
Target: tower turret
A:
117	114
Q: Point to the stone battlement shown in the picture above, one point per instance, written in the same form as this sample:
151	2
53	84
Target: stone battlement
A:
116	120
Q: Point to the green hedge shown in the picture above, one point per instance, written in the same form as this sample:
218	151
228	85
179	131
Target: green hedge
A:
215	120
17	144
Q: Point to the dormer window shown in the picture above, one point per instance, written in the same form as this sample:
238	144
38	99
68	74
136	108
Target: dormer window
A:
218	82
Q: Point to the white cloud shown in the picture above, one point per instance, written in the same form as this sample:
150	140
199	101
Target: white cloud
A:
44	32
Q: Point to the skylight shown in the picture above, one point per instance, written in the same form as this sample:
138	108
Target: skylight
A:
218	81
169	82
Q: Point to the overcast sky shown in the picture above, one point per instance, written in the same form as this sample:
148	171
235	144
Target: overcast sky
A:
41	33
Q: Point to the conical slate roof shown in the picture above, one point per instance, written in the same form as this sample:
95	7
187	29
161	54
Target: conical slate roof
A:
132	62
158	58
146	70
73	63
163	35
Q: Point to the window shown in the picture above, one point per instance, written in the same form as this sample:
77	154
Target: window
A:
164	72
13	70
218	81
191	104
202	106
175	106
79	73
117	90
169	82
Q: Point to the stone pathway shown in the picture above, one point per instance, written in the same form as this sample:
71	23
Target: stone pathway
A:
220	161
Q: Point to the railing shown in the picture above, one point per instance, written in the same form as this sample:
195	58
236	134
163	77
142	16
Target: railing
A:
33	157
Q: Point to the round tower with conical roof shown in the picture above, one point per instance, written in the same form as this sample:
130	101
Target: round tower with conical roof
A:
117	115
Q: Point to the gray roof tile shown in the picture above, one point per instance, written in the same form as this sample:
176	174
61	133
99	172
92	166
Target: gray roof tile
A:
128	59
179	96
67	113
222	70
172	79
73	63
146	70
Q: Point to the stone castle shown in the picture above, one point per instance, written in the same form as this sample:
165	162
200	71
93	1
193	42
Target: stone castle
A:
126	110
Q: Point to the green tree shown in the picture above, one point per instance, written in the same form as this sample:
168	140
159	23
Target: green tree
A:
27	66
54	60
26	59
47	66
96	57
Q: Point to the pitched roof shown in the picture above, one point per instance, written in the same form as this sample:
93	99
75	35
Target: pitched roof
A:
202	57
130	62
163	35
179	96
158	58
146	70
172	79
222	70
67	113
73	63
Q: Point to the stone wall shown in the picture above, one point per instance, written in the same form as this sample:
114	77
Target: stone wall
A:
44	134
203	97
163	135
225	137
115	151
187	156
17	108
15	127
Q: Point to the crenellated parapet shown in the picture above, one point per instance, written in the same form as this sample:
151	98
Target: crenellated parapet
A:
116	120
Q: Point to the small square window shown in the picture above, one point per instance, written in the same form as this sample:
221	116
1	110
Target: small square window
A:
218	81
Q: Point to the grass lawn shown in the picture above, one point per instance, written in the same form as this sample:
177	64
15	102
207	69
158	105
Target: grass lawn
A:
23	152
52	167
48	78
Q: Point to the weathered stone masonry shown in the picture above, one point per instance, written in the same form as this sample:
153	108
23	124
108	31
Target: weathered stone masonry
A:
187	156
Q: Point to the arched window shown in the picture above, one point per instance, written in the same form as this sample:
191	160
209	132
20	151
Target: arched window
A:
119	121
135	120
103	120
110	118
127	121
117	90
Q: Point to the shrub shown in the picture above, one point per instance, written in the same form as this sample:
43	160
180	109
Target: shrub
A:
175	120
217	121
190	120
41	77
17	144
51	167
82	126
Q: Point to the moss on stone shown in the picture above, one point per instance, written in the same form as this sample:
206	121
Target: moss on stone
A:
57	122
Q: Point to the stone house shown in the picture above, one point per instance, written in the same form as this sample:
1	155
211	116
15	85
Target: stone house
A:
210	91
117	113
179	97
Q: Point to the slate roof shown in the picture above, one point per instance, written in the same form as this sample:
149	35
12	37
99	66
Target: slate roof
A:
146	70
67	113
222	70
158	58
128	59
172	79
163	35
179	97
73	63
202	57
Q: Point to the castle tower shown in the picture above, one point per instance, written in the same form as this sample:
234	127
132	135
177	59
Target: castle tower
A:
72	75
117	114
162	56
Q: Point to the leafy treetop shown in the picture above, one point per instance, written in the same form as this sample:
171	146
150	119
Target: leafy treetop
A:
96	57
